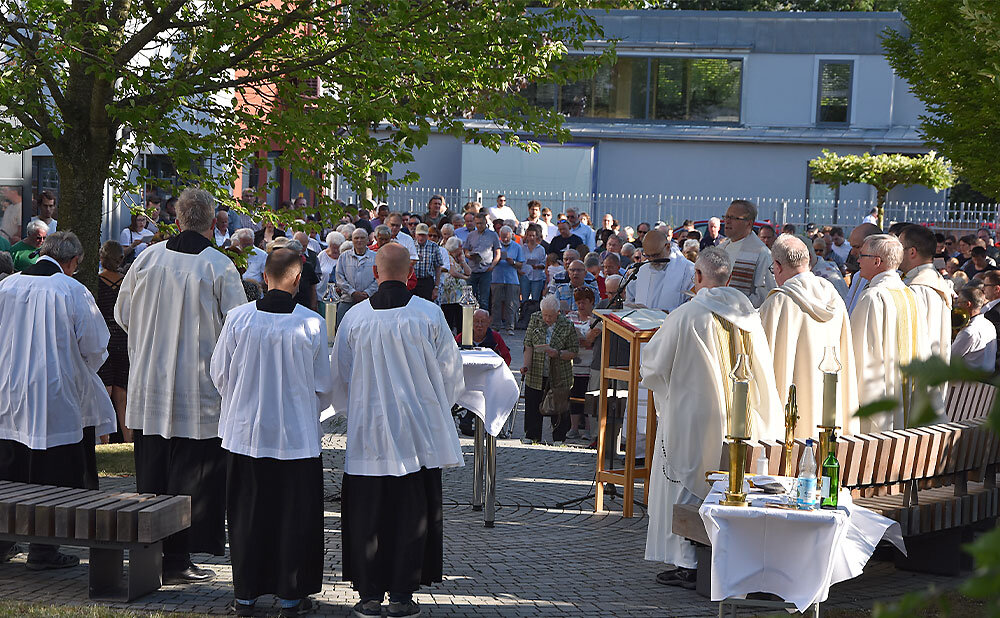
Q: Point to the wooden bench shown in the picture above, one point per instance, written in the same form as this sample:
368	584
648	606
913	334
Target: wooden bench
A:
107	522
969	400
939	482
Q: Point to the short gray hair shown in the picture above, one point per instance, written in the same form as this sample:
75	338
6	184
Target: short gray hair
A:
359	230
715	265
382	229
549	303
36	226
294	245
691	245
447	227
790	251
628	249
6	263
195	210
613	281
453	242
748	207
346	246
506	230
592	259
335	239
62	247
571	252
244	233
887	247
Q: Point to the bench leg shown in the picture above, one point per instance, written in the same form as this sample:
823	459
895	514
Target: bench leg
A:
703	578
106	573
110	581
145	569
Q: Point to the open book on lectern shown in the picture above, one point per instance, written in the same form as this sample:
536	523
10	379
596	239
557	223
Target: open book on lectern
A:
636	319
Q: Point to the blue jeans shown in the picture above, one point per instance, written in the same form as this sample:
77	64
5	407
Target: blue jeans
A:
531	290
480	283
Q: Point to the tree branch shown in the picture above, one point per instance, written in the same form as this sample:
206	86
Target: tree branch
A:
147	33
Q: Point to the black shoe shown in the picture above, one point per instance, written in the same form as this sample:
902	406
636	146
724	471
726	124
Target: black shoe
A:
683	578
406	609
365	610
304	607
11	552
241	609
57	560
188	575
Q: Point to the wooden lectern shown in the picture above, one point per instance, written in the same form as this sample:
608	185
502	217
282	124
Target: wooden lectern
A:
635	326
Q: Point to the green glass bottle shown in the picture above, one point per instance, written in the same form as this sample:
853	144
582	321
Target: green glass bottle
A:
830	478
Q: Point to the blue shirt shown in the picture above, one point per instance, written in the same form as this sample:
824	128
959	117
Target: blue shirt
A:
586	234
462	233
481	247
564	292
504	272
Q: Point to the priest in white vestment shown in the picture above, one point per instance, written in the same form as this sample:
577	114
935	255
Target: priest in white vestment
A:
51	400
397	373
687	365
802	317
172	304
934	299
858	282
272	368
976	344
886	333
751	257
660	285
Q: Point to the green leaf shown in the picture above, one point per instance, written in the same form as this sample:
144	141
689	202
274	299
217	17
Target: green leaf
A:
876	407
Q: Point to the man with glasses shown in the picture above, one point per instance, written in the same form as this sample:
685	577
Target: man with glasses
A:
395	223
640	234
885	326
502	210
579	228
933	296
549	229
751	257
858	282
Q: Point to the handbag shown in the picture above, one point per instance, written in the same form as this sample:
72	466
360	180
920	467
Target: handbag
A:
556	400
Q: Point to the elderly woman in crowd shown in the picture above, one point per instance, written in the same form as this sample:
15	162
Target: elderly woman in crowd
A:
328	260
691	249
581	319
382	236
550	345
453	283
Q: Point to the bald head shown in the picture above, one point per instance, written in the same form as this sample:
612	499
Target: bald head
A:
392	263
654	244
302	237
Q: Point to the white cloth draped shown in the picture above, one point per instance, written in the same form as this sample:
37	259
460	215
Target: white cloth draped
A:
662	288
54	341
681	365
397	373
172	306
801	318
491	390
273	372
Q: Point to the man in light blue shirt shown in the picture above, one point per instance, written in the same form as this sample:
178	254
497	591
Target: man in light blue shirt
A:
462	233
482	249
505	290
585	232
577	279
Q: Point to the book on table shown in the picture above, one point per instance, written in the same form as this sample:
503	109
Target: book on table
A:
636	319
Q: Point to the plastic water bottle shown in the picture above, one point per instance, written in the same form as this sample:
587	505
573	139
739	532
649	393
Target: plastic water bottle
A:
806	482
762	464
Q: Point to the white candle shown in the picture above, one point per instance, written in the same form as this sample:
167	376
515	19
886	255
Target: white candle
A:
738	416
467	312
829	399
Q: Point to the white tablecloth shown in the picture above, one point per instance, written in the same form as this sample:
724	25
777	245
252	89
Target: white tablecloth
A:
491	390
796	555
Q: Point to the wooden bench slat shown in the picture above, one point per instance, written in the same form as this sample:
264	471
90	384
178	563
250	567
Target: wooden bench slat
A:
64	515
8	504
86	516
106	526
128	518
162	519
45	519
24	511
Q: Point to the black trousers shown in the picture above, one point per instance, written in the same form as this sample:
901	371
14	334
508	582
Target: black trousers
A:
579	391
69	465
533	420
453	314
424	287
186	467
393	532
275	515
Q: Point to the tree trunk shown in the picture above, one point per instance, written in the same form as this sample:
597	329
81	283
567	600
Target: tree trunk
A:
880	197
82	178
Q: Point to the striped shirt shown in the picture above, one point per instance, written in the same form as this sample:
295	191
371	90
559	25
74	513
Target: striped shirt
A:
429	261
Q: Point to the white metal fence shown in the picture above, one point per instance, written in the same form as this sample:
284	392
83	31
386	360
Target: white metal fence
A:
632	209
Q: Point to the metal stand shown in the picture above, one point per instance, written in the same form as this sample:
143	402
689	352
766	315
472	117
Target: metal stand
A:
729	607
484	473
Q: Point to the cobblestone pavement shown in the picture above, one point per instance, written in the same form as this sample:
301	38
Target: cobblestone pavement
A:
539	560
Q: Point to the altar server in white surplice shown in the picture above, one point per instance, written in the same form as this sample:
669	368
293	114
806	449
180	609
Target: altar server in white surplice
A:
53	341
803	316
886	333
272	367
660	285
934	298
397	373
172	304
751	257
687	365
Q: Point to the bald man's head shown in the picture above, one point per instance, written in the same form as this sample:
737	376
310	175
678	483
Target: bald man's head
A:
392	263
858	236
654	244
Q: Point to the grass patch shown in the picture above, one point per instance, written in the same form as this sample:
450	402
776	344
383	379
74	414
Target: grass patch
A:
944	604
115	460
14	609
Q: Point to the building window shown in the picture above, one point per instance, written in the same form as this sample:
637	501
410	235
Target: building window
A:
44	176
833	101
822	200
682	90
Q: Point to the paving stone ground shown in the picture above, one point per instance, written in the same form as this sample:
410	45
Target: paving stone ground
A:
539	560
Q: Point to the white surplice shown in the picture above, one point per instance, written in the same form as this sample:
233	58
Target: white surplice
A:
751	268
682	365
54	341
976	344
172	306
801	318
397	373
273	372
934	299
858	285
885	334
663	288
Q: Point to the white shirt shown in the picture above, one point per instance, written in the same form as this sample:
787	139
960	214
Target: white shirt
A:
870	219
407	242
172	306
222	239
501	212
255	265
977	344
843	250
273	372
397	373
127	237
662	289
54	341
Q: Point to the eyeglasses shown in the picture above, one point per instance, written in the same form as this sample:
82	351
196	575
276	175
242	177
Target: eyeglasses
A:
732	218
868	255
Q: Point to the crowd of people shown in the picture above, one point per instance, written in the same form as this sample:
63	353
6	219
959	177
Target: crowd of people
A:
217	365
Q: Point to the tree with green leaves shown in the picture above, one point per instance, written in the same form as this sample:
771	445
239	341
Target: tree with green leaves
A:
350	85
950	55
882	171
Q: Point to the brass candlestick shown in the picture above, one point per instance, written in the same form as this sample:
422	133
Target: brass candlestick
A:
739	431
791	420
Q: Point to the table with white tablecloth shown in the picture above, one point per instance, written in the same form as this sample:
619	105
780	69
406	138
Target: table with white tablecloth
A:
491	392
796	555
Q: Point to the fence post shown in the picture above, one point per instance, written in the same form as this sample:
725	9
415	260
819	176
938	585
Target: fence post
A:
784	212
563	209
